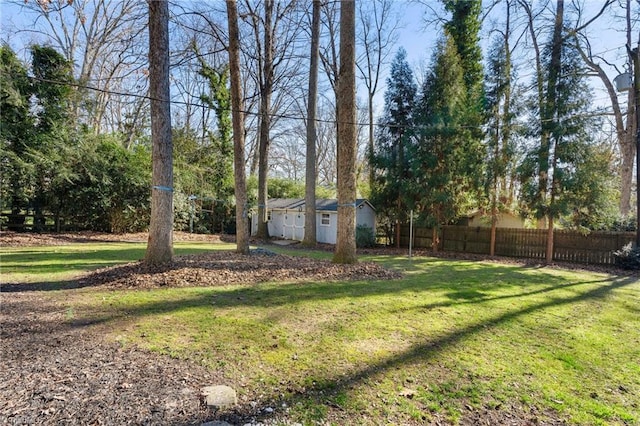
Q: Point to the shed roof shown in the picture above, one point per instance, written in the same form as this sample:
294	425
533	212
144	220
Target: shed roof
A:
322	204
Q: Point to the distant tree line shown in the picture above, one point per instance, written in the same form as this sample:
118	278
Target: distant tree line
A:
470	139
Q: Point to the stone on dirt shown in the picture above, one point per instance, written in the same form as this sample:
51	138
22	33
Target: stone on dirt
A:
219	396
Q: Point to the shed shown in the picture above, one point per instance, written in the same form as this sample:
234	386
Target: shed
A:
286	217
483	220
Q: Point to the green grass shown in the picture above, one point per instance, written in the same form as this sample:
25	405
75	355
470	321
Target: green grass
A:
63	262
449	336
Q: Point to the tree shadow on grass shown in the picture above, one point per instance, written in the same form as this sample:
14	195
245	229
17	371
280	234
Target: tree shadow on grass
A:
436	278
460	283
325	392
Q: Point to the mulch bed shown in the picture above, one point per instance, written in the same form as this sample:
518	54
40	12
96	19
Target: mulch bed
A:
57	371
53	372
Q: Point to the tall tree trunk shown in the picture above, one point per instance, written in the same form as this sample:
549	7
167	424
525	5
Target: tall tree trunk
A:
346	242
633	126
636	88
237	116
265	121
625	128
503	137
549	123
371	145
310	176
160	243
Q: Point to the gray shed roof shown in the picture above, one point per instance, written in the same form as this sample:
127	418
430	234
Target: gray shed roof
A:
322	204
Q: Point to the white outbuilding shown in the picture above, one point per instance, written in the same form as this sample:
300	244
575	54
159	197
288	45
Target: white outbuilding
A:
285	217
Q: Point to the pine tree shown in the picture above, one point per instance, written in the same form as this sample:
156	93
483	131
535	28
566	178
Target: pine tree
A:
577	176
500	137
464	28
444	158
390	160
16	135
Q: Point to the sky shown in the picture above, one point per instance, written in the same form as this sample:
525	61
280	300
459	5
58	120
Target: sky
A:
418	39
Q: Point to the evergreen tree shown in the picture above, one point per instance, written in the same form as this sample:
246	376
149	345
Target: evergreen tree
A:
464	28
15	134
577	173
390	160
500	178
445	157
36	129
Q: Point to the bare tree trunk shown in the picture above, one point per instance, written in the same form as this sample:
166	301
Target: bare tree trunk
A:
265	121
625	128
549	248
377	33
434	239
635	53
242	221
160	243
371	142
347	132
310	177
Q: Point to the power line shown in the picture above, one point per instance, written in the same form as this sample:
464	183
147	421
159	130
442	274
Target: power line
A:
287	116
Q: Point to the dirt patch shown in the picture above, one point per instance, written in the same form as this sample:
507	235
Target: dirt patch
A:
55	373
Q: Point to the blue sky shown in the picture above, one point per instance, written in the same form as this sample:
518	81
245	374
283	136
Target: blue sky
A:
419	40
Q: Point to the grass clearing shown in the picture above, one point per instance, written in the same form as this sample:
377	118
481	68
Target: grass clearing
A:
64	262
450	336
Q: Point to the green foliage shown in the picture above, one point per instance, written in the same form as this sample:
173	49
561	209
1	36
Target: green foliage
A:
106	187
589	189
445	158
464	27
36	127
391	157
324	192
15	132
203	163
200	166
219	150
365	237
53	99
628	257
580	187
285	188
502	128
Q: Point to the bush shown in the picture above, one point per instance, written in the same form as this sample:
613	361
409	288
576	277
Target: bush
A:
628	257
365	237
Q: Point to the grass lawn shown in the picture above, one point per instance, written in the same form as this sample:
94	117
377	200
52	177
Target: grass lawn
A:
64	262
448	337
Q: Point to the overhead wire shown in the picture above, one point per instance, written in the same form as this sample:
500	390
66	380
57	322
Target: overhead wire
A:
282	116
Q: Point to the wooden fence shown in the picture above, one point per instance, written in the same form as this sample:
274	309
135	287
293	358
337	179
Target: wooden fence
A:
33	223
569	246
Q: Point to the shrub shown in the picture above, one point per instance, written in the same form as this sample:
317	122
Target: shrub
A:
628	257
365	237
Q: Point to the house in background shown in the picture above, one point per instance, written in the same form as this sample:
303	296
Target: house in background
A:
483	220
286	216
